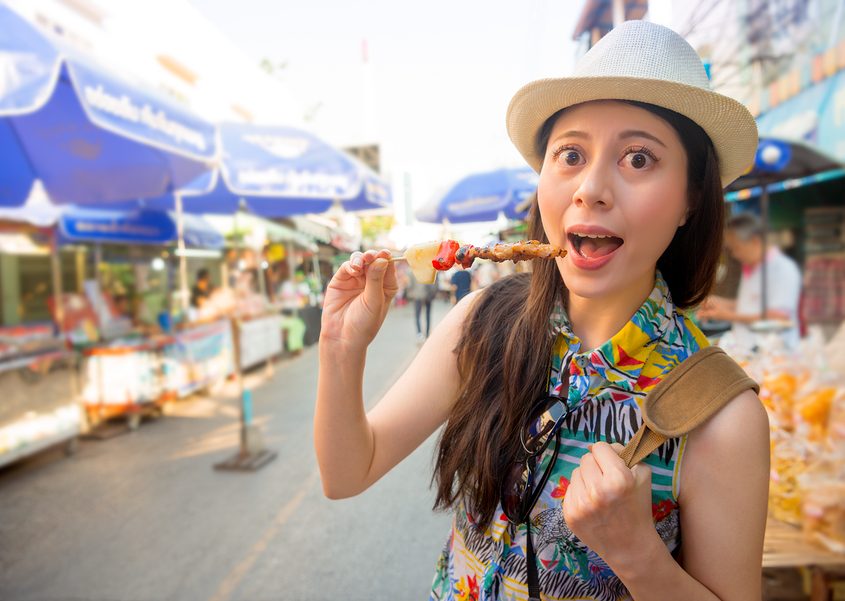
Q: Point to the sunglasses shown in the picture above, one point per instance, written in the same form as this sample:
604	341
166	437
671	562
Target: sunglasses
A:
522	487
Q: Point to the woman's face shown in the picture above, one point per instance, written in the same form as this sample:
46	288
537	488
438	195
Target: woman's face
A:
612	191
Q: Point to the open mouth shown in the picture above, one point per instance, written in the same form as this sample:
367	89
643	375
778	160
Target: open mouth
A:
594	246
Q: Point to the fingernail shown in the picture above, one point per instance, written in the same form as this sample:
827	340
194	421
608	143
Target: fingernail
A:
379	265
356	262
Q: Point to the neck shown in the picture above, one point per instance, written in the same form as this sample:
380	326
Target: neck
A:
596	320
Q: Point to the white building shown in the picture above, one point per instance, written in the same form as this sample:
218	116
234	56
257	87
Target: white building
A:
170	46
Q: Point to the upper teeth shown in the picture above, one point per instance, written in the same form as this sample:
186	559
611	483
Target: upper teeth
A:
593	236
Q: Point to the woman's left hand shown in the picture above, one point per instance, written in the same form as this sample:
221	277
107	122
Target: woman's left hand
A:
608	505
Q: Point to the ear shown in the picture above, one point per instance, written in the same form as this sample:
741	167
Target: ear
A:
684	218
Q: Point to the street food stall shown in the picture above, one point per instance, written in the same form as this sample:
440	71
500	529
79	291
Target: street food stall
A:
38	374
38	377
803	391
144	351
265	262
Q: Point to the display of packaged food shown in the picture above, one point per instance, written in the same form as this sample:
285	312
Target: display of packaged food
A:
789	460
823	509
805	400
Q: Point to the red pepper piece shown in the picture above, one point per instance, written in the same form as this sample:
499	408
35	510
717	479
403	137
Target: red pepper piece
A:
445	255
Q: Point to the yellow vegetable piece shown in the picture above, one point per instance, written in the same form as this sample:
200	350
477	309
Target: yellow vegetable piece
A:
419	257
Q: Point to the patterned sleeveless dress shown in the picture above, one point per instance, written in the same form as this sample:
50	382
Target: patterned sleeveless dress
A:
606	387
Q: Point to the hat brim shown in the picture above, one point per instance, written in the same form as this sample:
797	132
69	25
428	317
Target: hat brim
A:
731	127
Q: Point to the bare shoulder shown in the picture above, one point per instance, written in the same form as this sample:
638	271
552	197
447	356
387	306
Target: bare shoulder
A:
741	426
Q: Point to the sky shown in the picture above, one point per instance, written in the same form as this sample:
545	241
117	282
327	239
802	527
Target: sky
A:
436	83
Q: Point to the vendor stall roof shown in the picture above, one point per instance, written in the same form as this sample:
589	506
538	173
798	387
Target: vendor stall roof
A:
780	159
782	186
86	133
21	244
279	171
256	231
38	211
79	224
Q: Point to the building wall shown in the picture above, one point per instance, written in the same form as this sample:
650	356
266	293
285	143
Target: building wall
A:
171	47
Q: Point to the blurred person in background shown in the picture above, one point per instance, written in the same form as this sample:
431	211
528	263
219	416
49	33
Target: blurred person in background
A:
744	241
422	295
202	289
461	282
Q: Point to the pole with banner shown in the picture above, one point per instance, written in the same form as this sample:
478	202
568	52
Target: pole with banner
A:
772	157
251	455
184	296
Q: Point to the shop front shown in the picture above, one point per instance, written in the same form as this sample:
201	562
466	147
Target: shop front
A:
38	374
138	346
804	389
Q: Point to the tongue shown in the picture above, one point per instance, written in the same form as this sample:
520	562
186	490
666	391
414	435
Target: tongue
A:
592	248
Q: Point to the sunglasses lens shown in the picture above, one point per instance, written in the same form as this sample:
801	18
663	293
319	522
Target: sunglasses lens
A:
542	424
513	491
518	488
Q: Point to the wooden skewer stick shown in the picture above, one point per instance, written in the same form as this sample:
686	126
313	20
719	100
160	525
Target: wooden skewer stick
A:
399	258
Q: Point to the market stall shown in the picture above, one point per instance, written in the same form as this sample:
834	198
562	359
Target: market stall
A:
804	394
40	407
139	348
38	378
197	356
267	262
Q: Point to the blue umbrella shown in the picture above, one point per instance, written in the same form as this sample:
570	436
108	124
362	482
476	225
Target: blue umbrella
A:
483	197
144	226
276	171
87	135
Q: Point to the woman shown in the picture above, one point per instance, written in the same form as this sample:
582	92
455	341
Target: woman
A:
632	152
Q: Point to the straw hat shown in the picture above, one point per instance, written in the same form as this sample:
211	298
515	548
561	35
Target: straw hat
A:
643	61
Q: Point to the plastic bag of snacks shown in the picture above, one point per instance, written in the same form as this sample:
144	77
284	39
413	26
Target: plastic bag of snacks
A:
823	503
777	392
790	458
814	405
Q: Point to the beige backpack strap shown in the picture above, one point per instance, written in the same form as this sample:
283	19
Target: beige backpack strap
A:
643	444
691	393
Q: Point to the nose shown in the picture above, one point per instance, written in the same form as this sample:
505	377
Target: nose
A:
594	190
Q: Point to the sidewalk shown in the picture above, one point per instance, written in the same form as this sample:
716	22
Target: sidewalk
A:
145	516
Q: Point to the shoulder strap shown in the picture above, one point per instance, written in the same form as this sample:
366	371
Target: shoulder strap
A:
687	397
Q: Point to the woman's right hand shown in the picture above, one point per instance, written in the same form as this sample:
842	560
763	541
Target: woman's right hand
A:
357	299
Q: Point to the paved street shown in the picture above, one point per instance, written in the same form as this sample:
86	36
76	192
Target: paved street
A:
143	516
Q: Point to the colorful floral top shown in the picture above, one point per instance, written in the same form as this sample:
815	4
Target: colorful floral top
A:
606	387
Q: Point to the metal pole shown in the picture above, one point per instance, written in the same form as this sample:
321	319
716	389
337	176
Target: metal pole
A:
98	258
184	296
764	217
315	265
56	275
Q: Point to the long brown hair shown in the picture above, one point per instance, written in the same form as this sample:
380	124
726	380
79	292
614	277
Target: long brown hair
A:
504	349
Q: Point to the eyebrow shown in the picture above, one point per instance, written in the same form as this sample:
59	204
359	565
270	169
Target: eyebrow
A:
628	133
638	133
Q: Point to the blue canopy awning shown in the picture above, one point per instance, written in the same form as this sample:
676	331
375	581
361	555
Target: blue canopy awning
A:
483	197
86	134
82	224
782	186
277	171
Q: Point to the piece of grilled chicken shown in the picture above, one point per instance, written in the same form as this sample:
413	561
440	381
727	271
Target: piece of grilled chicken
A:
512	251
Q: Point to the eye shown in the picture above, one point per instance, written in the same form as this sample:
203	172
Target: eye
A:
639	157
639	160
569	155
